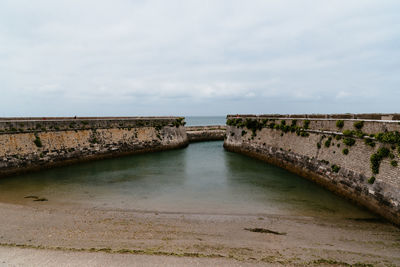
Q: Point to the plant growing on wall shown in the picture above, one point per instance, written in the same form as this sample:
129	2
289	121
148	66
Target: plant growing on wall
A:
306	124
371	180
369	142
340	123
359	134
349	141
37	141
376	159
302	133
348	133
388	137
359	124
335	168
255	125
328	142
234	122
179	122
324	161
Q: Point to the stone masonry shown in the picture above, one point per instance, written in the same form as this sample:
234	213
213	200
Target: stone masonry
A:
36	143
325	153
205	133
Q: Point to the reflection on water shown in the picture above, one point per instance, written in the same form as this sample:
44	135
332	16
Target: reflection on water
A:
200	178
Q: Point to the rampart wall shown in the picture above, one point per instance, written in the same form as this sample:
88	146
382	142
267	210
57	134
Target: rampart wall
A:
205	133
36	143
356	156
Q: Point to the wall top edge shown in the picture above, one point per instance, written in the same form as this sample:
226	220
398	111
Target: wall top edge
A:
43	119
363	116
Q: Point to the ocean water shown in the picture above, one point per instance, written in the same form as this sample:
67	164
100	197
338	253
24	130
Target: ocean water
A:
204	121
202	178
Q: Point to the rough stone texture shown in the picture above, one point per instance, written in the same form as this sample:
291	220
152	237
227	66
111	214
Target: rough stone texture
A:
205	133
301	155
69	140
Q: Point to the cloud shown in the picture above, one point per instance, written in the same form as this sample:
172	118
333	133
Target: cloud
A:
179	56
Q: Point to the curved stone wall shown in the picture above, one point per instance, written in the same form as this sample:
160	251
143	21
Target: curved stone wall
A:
356	158
36	143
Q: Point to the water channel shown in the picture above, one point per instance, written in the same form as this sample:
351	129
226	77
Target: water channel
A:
202	178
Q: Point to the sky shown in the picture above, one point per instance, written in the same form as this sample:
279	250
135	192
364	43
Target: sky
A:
217	57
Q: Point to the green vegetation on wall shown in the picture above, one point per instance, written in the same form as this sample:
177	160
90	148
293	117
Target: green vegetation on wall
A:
371	180
335	168
340	123
376	159
349	141
37	141
369	142
359	124
306	124
256	125
348	137
179	122
389	138
328	142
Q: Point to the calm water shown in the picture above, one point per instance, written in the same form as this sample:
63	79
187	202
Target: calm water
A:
202	178
204	121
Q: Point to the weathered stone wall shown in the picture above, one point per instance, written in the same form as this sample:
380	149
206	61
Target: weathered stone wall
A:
319	150
33	143
205	133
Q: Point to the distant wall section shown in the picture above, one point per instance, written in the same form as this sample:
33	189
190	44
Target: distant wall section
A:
206	133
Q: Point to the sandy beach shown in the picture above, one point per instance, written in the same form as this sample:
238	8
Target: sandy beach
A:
41	230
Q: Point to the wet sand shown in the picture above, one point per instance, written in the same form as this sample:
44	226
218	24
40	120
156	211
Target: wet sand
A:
47	258
44	230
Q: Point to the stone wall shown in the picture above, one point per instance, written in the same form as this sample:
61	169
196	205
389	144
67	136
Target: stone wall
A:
36	143
205	133
334	152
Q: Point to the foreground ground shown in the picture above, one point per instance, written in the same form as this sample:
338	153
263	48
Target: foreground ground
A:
34	257
47	235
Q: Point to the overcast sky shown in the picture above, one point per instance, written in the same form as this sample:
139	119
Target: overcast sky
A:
120	57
